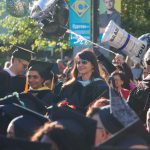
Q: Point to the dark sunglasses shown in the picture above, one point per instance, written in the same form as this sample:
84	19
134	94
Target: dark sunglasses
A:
84	62
148	62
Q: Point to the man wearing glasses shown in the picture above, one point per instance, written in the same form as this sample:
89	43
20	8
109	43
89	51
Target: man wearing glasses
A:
12	79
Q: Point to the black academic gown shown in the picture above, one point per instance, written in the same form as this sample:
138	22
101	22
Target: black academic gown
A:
10	84
139	98
81	95
45	95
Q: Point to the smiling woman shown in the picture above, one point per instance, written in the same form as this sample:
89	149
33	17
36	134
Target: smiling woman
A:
85	84
38	73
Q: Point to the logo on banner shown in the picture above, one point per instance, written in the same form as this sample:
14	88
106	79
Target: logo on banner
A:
80	7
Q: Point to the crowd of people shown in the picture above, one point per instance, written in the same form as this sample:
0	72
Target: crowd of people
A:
68	105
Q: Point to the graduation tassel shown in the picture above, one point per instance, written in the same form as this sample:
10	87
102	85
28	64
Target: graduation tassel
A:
52	83
26	87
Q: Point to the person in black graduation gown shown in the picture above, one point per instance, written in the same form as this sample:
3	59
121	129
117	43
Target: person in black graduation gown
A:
19	144
37	75
85	84
19	121
139	99
12	78
69	130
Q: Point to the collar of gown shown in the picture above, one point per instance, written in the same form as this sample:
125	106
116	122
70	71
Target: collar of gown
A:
87	82
40	89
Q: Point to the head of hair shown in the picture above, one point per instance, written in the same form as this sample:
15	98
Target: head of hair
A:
85	54
48	127
92	111
110	123
120	74
64	138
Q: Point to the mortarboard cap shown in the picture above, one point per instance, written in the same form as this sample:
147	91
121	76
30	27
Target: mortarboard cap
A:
25	99
10	99
26	124
19	144
108	65
9	112
120	109
43	68
134	134
22	53
75	122
110	123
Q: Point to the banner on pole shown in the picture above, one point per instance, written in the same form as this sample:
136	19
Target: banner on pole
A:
80	22
105	16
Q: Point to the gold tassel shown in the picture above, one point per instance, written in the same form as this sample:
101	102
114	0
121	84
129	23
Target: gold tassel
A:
26	86
52	83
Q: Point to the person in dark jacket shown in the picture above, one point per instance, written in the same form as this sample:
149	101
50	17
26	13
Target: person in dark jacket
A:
139	98
12	78
85	84
69	130
38	73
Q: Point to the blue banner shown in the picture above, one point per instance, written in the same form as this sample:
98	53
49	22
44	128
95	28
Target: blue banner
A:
80	22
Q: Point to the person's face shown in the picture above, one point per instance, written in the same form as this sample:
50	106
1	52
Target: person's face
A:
118	81
35	81
109	4
21	66
84	67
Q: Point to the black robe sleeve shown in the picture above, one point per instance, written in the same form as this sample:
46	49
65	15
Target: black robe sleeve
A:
4	83
81	96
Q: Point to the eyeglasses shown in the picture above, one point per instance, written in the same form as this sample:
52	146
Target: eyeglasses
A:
84	62
148	62
25	66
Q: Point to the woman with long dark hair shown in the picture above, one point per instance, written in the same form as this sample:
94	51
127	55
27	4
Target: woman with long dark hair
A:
85	84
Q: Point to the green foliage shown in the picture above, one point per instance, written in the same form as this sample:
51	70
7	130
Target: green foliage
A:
136	16
24	32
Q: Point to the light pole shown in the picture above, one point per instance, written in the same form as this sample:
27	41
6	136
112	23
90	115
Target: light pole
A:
94	22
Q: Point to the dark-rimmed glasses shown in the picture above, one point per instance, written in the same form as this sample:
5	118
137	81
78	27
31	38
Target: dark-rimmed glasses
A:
25	66
84	62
